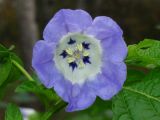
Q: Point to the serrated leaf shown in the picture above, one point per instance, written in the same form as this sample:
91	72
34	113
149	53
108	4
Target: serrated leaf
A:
13	113
145	54
139	101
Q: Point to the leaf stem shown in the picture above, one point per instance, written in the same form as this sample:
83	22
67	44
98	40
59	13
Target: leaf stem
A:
22	70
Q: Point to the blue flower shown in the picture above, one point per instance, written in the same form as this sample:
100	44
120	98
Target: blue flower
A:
81	58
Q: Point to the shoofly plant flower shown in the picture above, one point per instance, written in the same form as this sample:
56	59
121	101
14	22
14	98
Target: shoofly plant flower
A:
81	58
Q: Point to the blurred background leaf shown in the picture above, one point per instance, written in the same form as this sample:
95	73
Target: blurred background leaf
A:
47	96
8	71
13	113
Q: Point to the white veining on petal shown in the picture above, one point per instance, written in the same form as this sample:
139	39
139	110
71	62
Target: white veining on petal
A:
89	71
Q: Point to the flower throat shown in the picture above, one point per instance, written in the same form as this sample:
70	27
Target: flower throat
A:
77	56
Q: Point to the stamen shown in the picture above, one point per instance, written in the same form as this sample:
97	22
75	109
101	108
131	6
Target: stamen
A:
77	56
70	59
79	47
69	51
85	53
81	64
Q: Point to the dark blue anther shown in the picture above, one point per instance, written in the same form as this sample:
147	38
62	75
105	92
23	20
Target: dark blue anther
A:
73	65
85	45
86	60
64	54
71	41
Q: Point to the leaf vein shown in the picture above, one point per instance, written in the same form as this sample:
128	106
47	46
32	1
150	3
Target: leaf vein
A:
142	93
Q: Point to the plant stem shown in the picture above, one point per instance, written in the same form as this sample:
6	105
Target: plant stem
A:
22	70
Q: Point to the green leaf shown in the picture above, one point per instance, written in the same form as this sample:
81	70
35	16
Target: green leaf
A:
4	52
8	71
47	96
5	68
5	64
134	76
35	116
15	73
139	101
2	48
13	113
145	54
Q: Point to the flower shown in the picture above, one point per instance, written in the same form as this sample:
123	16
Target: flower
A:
81	58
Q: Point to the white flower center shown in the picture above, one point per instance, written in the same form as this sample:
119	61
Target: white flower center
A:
78	57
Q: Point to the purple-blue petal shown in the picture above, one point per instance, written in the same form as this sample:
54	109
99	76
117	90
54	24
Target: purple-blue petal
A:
110	81
104	27
79	97
114	49
66	21
63	88
43	63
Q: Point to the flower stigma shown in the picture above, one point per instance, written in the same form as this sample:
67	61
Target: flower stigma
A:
76	55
